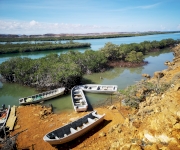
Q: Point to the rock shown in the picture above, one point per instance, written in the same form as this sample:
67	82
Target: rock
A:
125	147
102	134
116	126
118	130
126	122
112	107
164	138
111	130
45	111
135	147
36	136
146	76
115	145
157	109
17	127
178	114
158	74
136	123
177	126
36	115
150	138
151	147
177	87
168	63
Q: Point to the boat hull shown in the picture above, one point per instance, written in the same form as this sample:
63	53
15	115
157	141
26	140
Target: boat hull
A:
3	120
74	135
97	88
60	91
78	99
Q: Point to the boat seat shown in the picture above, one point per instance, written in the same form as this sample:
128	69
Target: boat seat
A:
78	128
73	130
77	97
57	137
85	125
77	103
77	94
90	120
91	116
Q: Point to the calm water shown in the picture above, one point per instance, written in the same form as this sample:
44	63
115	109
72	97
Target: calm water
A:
10	93
96	44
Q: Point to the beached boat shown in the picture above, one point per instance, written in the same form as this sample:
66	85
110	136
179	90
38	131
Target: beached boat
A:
4	113
98	88
74	129
42	96
78	99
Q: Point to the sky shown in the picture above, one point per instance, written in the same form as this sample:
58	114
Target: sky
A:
88	16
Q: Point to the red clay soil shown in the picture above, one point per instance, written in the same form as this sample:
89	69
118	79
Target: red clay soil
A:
30	118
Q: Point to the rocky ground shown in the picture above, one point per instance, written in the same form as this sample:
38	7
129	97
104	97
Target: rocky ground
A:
154	126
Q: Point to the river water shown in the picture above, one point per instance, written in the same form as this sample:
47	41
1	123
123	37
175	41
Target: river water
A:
123	77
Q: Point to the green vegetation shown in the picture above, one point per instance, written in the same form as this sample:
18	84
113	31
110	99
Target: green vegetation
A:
52	70
67	69
134	52
29	47
133	95
53	37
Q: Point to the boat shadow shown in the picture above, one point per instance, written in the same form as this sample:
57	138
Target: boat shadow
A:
72	144
90	107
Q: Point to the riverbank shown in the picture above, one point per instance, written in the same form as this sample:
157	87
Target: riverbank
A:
155	125
56	37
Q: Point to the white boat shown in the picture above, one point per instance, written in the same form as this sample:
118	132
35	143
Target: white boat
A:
74	129
4	113
42	96
78	99
98	88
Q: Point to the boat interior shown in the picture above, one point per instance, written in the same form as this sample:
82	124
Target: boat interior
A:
100	87
79	99
73	127
38	96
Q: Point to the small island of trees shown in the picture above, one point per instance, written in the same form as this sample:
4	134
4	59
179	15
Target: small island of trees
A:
43	46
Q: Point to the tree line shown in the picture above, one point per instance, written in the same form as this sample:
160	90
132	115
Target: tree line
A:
67	69
29	47
53	37
134	52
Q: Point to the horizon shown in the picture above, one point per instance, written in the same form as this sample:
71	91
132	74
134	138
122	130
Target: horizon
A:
100	33
88	16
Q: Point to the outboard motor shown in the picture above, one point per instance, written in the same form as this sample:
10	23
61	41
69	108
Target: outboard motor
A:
3	106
